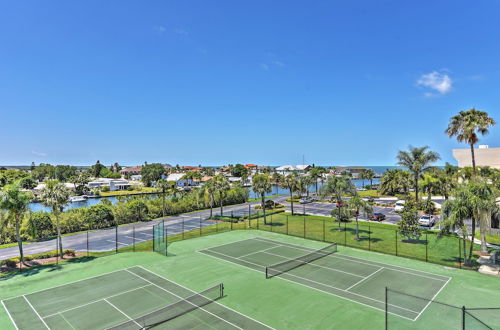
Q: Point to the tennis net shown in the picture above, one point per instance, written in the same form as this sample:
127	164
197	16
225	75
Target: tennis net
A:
285	266
174	310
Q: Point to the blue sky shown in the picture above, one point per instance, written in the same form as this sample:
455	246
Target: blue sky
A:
266	82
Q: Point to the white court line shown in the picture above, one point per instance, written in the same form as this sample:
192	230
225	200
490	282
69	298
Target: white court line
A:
241	240
375	272
330	286
131	319
145	279
109	240
97	300
216	302
432	299
135	238
10	316
307	286
69	323
367	262
145	234
311	263
249	254
41	319
60	285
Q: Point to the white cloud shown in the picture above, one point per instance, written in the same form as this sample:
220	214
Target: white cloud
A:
181	32
160	29
438	81
264	66
39	154
279	63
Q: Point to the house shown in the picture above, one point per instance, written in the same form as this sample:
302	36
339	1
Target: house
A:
287	169
485	156
129	171
38	189
113	184
136	177
179	180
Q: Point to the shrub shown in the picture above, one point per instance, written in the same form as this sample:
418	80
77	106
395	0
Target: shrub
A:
105	189
11	263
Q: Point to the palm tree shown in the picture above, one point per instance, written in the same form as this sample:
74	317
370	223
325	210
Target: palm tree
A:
467	125
210	190
162	185
291	183
395	181
357	204
316	173
261	184
304	183
336	187
370	175
56	196
221	186
417	161
276	178
485	206
16	202
362	177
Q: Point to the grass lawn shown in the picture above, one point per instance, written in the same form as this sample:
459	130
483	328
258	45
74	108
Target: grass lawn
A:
143	190
275	302
492	239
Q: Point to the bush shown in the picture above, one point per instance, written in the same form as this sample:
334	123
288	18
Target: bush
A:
105	189
38	225
99	216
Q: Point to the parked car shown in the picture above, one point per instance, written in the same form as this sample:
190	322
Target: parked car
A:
427	220
398	207
369	199
306	200
377	216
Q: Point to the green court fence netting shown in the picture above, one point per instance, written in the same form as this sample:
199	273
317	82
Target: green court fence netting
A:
174	310
435	314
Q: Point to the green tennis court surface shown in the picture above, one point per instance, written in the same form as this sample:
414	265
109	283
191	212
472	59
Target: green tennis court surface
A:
121	300
351	278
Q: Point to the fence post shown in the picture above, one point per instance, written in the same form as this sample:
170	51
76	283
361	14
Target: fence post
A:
249	212
200	226
231	225
88	243
271	223
287	224
153	238
304	219
345	234
232	215
396	240
463	317
57	252
217	226
459	254
182	229
324	230
386	309
426	244
116	239
369	238
133	238
163	231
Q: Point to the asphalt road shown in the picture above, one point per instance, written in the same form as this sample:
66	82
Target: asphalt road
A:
108	239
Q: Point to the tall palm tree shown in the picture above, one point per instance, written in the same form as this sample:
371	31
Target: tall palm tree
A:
276	179
210	190
162	185
358	204
221	186
261	184
56	196
336	187
417	161
291	183
16	202
467	125
304	183
362	177
316	173
485	206
370	175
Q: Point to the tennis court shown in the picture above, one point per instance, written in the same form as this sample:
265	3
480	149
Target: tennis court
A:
351	278
131	298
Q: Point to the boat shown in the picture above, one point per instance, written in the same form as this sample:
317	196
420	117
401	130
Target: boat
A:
76	199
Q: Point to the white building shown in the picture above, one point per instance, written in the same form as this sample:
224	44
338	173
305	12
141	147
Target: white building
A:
287	169
484	156
178	178
113	184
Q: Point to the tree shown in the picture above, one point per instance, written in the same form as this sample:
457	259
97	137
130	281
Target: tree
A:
162	185
16	203
369	175
291	183
99	216
39	225
261	184
27	183
56	196
210	190
316	173
239	170
151	173
221	186
484	202
96	169
395	181
417	161
276	178
337	187
357	204
408	225
138	210
467	125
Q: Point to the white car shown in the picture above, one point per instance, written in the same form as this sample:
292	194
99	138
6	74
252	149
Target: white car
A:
398	207
427	220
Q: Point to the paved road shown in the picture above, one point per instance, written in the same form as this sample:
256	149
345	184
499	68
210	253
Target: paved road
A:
106	239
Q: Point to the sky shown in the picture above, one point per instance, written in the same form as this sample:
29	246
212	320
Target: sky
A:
263	82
